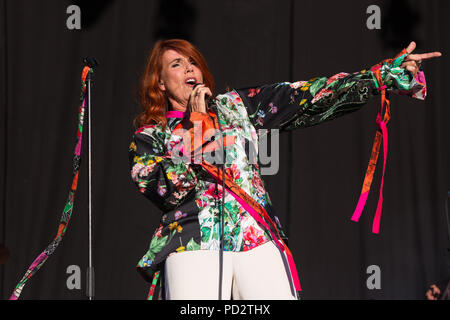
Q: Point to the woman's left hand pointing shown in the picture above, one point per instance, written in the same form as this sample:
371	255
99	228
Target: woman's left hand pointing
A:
413	61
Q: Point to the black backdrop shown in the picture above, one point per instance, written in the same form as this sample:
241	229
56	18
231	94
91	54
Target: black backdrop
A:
245	43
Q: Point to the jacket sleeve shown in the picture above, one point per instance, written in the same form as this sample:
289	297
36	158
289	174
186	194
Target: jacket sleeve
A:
166	182
286	106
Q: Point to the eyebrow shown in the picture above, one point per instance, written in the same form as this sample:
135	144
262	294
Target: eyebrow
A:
177	59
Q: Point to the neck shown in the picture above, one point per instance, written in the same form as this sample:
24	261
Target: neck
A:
176	106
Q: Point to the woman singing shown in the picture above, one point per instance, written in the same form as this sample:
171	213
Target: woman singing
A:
180	122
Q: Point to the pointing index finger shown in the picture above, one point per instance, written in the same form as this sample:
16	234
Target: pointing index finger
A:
424	56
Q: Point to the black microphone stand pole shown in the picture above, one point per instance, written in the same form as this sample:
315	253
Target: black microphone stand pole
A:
90	280
210	103
446	293
222	211
212	106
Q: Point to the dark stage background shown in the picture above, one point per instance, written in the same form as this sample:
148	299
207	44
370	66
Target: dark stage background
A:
245	43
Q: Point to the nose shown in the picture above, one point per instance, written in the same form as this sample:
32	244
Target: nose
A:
189	67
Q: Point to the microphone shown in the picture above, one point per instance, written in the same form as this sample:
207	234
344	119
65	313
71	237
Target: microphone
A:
209	101
90	62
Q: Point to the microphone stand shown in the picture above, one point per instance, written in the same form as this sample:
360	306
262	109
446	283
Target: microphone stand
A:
210	104
446	293
222	219
90	281
448	225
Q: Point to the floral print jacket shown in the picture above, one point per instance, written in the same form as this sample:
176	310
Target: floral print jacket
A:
189	197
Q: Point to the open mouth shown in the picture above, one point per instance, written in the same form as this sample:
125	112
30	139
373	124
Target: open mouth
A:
190	81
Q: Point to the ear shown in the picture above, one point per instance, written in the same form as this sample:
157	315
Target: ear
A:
161	85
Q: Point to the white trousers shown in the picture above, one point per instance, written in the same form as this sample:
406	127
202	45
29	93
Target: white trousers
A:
258	274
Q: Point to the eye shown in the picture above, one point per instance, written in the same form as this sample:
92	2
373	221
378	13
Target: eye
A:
175	65
191	61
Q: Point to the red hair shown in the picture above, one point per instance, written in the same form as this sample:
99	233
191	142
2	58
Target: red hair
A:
152	100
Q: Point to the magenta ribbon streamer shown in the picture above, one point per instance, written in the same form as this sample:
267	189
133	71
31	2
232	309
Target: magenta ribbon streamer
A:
377	218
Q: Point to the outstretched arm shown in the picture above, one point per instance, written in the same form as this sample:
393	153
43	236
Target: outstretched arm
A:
287	106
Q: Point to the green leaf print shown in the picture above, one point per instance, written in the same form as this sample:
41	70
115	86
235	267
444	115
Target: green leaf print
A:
216	233
192	245
232	212
157	244
251	116
317	85
149	256
179	169
206	233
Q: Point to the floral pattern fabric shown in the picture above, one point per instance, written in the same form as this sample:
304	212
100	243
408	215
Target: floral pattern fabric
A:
189	197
